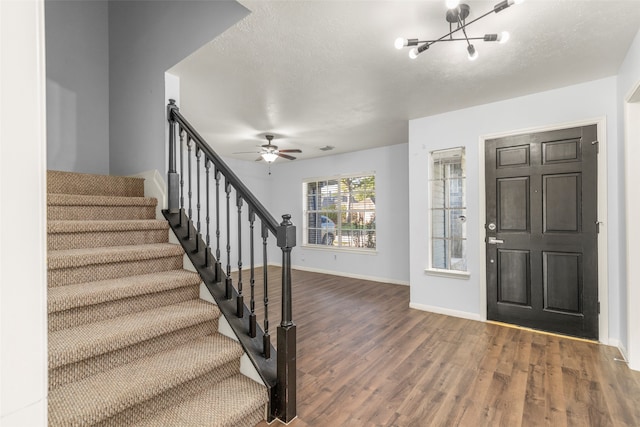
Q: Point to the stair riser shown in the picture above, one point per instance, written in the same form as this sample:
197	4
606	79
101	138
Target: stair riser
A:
73	213
82	369
70	276
62	241
171	397
108	310
94	185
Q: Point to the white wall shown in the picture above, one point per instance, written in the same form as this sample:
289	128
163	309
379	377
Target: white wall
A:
390	261
590	100
146	38
23	279
77	40
629	120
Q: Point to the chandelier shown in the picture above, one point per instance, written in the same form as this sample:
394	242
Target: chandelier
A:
456	16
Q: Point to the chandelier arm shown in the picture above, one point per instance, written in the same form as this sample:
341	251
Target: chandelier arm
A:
464	31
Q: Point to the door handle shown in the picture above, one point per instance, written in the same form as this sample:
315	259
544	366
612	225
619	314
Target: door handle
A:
494	241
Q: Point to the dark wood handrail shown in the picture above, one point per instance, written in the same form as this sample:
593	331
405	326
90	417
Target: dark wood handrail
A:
236	183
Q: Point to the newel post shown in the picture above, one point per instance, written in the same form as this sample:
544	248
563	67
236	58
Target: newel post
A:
173	179
286	387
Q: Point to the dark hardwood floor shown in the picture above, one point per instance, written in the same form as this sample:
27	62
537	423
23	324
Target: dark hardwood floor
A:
366	359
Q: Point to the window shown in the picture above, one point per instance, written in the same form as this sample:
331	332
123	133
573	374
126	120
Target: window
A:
340	211
448	210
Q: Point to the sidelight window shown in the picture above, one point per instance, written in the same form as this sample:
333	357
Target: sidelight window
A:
448	210
340	211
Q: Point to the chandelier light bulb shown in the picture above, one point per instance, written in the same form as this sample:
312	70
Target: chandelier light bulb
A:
413	53
400	43
504	37
473	53
452	4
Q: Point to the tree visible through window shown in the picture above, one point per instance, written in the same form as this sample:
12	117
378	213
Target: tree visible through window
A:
340	211
448	210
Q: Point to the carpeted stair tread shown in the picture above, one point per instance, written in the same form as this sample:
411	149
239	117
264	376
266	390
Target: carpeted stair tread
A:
234	402
83	183
101	396
86	341
82	294
84	200
79	226
70	258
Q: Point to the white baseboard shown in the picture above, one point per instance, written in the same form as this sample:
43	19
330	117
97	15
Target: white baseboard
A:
446	311
154	186
350	275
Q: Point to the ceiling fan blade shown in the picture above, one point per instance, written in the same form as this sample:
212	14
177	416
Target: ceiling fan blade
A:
259	159
284	156
290	151
247	152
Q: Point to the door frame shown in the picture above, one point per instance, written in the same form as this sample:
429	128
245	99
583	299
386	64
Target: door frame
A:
603	286
632	203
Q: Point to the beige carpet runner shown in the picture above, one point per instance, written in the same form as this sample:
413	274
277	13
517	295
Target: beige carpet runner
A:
130	342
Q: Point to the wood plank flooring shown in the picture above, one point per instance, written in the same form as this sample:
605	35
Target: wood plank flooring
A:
366	359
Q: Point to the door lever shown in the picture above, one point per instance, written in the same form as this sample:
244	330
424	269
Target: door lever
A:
494	241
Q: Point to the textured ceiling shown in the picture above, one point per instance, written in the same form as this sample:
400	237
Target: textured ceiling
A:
320	73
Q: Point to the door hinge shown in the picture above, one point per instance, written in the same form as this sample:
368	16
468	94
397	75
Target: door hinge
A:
598	307
598	226
597	144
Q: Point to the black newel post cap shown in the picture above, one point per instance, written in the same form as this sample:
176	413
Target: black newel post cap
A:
286	233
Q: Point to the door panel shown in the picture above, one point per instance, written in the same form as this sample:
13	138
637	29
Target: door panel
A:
562	282
541	231
561	204
513	277
513	205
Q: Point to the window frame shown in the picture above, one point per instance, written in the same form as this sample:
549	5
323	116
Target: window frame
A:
430	269
339	211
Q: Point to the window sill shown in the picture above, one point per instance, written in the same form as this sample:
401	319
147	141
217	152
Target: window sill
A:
453	274
343	250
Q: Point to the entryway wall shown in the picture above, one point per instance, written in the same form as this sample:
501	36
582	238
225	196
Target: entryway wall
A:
465	297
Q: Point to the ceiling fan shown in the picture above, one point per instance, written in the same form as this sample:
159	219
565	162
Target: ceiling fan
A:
269	152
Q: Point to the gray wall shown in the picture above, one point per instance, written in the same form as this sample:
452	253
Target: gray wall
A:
77	60
146	38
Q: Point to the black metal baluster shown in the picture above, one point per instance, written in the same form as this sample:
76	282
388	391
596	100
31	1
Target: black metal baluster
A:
181	174
198	154
240	298
207	260
228	283
252	278
218	263
189	183
266	339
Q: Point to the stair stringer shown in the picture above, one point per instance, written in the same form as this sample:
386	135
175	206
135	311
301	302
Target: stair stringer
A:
246	367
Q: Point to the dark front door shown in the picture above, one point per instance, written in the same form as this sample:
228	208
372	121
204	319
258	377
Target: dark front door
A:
542	231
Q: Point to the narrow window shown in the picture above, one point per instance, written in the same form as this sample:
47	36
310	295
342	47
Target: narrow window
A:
448	210
340	211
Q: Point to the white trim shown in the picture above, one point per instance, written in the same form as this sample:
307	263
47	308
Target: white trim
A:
345	249
154	186
632	205
446	311
453	274
350	275
603	258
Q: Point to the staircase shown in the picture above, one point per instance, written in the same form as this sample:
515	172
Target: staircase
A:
130	342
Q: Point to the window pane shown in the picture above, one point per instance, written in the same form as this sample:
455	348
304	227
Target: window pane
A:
458	255
439	248
438	223
437	194
457	224
456	192
312	220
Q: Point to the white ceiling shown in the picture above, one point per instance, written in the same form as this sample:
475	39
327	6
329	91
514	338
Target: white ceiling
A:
320	73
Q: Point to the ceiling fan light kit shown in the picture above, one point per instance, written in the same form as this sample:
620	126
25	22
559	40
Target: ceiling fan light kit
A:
269	152
457	14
